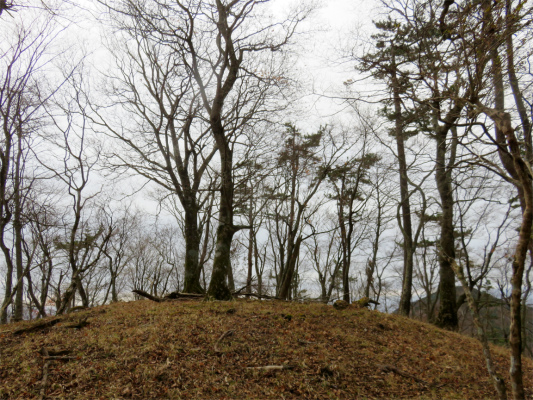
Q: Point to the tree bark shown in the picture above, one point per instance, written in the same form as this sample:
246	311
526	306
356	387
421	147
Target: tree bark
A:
513	81
192	250
18	313
447	314
251	239
218	286
288	276
502	120
406	225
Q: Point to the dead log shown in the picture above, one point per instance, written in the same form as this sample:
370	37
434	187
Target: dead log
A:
174	296
178	295
37	327
148	296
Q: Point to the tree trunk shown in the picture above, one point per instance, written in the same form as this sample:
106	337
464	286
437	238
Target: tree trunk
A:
9	279
288	276
192	251
17	231
447	314
516	294
502	120
251	238
258	271
513	81
514	164
497	381
218	286
406	228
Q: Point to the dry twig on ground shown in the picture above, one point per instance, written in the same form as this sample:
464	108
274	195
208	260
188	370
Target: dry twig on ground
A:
221	338
272	367
391	368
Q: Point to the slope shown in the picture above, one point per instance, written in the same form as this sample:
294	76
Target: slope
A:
218	350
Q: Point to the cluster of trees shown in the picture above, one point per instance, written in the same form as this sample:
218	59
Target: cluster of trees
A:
195	105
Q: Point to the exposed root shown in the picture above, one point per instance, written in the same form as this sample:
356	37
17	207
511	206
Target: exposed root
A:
37	327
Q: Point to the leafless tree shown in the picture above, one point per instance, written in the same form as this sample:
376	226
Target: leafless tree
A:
225	49
25	51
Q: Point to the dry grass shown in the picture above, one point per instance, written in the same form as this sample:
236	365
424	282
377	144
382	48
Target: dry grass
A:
176	350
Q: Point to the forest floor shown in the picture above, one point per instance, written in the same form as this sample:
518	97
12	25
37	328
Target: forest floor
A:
242	350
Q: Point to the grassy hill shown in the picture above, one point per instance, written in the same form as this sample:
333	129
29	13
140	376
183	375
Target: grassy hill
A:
218	350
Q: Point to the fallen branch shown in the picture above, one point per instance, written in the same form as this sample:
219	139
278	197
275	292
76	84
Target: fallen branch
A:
259	296
170	297
59	358
178	295
221	338
148	296
391	368
238	292
38	326
272	367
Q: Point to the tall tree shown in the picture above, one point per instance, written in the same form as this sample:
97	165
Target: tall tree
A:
347	181
388	63
219	43
159	126
25	50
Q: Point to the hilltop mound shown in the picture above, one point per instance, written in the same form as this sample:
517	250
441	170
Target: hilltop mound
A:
219	350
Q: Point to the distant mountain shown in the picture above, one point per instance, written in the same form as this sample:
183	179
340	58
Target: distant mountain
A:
495	315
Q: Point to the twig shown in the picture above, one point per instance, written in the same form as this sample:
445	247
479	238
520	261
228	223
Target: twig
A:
301	341
38	326
221	338
59	358
391	368
272	367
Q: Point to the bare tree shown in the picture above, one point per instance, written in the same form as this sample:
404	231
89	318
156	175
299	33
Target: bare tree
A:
163	135
25	51
219	45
